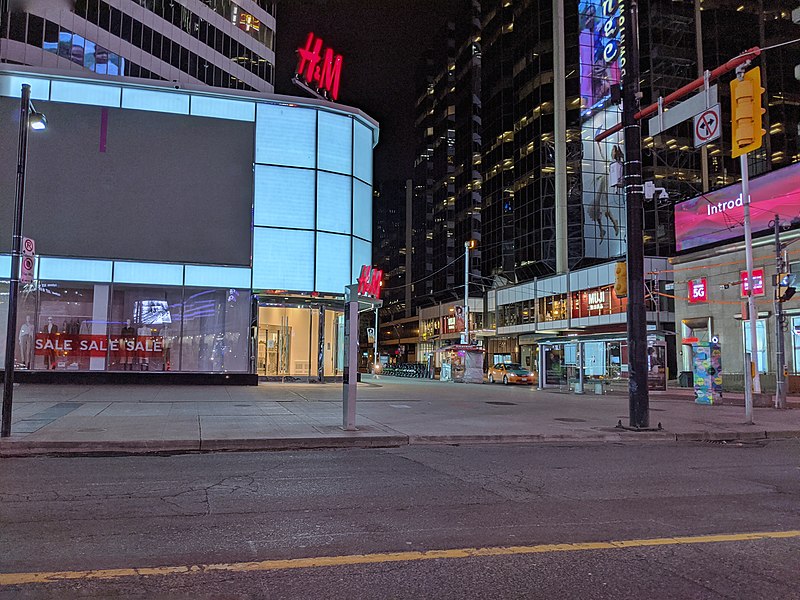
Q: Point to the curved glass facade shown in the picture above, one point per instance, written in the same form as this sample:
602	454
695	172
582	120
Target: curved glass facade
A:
100	302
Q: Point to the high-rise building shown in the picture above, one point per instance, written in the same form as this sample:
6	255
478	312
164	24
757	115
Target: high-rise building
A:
219	43
447	183
389	251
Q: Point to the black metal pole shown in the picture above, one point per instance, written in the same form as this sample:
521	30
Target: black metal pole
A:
780	350
16	246
638	399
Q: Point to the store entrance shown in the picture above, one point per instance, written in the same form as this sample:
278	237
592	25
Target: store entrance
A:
295	341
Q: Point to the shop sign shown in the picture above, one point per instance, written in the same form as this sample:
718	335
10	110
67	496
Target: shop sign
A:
370	282
96	345
698	290
758	283
597	300
317	71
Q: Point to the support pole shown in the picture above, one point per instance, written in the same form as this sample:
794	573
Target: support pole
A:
375	360
751	301
780	362
560	115
350	379
638	397
16	245
321	345
467	245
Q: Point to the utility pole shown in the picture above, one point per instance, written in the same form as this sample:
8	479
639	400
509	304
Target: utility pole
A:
638	396
780	366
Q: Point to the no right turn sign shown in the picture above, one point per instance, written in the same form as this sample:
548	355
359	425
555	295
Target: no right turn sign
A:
706	126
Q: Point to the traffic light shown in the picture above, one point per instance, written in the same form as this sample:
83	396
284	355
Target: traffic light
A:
621	280
746	111
785	286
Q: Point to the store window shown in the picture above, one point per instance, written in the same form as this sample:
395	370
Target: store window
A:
215	329
795	332
761	340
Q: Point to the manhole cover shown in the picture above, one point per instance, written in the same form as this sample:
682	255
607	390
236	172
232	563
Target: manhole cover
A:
569	420
501	403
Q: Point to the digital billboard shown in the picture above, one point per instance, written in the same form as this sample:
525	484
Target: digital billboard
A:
718	216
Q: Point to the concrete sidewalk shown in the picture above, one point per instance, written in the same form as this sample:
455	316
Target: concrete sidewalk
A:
391	412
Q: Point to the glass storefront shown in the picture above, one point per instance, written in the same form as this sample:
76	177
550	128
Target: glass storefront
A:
70	326
288	343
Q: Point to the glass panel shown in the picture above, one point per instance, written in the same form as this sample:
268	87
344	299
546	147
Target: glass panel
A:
151	100
216	326
85	93
5	266
272	269
362	210
761	340
64	325
362	167
144	326
362	255
148	273
334	203
286	340
203	106
335	143
3	315
74	269
286	135
204	276
284	197
11	86
333	262
334	342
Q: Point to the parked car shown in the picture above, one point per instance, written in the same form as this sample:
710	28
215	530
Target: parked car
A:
510	373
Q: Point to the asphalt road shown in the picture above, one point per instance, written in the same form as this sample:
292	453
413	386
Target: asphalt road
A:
298	524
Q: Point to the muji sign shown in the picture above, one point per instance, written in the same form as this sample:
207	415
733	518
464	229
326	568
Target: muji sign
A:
317	71
369	283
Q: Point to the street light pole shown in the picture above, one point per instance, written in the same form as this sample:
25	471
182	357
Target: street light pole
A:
638	398
16	246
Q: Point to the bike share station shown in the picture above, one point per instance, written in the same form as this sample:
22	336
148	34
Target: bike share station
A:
363	296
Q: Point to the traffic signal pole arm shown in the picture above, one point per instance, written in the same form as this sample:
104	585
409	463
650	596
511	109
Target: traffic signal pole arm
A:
698	83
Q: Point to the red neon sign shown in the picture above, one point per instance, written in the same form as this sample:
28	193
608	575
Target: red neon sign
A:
319	71
698	290
758	282
369	283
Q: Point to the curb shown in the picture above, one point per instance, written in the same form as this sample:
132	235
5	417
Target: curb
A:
22	448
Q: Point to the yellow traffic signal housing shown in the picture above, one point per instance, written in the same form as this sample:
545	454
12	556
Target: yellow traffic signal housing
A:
746	111
621	280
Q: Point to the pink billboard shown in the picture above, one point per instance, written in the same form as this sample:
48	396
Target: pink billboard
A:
719	215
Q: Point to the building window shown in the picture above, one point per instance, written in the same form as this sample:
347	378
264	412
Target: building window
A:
761	340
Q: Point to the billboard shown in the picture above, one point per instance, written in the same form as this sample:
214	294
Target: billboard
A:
601	166
719	215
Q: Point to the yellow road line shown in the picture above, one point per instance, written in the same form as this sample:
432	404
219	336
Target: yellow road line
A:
7	579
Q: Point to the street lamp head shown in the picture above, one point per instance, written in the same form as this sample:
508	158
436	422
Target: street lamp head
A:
37	121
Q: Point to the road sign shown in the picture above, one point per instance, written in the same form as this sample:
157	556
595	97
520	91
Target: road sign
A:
706	126
683	111
26	269
28	246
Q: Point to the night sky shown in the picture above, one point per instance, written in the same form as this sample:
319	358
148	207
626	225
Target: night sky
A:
381	42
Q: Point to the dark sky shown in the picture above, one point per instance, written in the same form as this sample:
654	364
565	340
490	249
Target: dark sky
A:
381	42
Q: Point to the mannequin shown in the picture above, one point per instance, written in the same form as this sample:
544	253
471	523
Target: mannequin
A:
166	341
128	337
51	329
26	342
144	357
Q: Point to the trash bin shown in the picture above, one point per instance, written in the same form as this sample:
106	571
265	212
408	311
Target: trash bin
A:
685	379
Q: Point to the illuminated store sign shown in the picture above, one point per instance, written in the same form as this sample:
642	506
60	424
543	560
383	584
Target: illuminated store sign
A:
698	290
758	282
719	215
317	72
612	21
370	281
597	300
